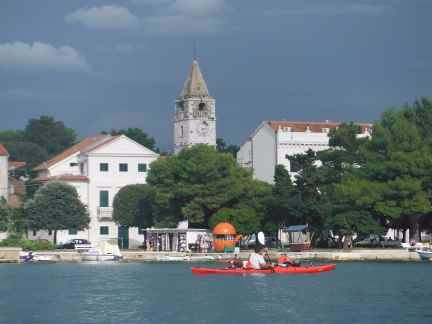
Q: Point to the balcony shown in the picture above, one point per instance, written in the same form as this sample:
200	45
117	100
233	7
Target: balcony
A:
105	213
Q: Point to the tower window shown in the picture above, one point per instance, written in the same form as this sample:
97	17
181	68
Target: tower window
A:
181	131
201	106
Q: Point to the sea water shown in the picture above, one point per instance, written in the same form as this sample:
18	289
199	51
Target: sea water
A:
361	292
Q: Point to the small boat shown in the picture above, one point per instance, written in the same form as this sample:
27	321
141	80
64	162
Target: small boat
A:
425	254
188	258
105	251
412	246
275	270
30	257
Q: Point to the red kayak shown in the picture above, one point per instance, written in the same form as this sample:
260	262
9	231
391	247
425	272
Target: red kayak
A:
275	270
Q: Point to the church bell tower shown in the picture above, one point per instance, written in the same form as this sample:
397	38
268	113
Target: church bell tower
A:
195	115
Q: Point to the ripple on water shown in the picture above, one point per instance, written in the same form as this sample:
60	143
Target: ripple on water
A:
169	293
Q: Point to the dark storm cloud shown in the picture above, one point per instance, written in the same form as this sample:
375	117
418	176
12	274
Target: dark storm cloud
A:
281	59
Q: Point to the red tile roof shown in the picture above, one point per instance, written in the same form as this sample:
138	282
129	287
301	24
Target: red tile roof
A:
314	127
3	151
16	165
101	143
81	146
64	177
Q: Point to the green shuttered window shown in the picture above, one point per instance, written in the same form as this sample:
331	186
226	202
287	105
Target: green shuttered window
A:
103	167
142	167
103	198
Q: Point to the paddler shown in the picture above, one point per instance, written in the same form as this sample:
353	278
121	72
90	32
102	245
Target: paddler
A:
235	262
257	260
284	261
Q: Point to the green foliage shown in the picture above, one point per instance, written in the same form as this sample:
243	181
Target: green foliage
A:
56	206
222	146
394	185
49	134
11	136
310	204
138	136
33	245
318	197
245	220
198	182
5	217
11	218
31	153
282	205
133	206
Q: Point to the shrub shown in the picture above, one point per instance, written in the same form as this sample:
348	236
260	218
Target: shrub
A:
37	245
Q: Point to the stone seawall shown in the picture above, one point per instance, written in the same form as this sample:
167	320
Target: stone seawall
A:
12	255
357	255
324	255
9	254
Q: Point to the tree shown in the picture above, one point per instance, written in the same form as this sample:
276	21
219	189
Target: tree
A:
222	146
56	206
31	153
133	206
50	134
344	157
198	182
5	219
11	136
310	204
11	218
138	136
394	184
283	203
245	220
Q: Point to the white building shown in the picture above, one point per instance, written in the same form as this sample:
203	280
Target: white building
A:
195	114
4	173
98	167
273	142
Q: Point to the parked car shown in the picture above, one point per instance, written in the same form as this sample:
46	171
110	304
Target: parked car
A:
377	241
75	244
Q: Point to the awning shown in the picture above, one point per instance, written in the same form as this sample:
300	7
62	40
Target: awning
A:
295	228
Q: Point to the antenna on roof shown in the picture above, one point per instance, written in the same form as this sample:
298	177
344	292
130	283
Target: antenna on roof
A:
195	50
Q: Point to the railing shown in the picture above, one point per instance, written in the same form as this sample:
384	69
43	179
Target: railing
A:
105	213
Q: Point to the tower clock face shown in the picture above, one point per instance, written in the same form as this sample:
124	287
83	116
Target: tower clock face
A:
202	128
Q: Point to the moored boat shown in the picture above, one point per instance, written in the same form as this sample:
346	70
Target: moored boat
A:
188	258
275	270
425	254
105	251
30	257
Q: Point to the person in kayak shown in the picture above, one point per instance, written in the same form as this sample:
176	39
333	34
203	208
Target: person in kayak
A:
235	262
284	261
257	260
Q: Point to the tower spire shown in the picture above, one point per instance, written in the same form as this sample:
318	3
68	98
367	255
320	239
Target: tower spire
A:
195	85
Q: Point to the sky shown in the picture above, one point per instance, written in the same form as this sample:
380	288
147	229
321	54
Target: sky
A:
100	64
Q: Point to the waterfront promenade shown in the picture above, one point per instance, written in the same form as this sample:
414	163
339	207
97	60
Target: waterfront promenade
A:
8	255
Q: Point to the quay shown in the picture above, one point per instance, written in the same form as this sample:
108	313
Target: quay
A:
11	255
